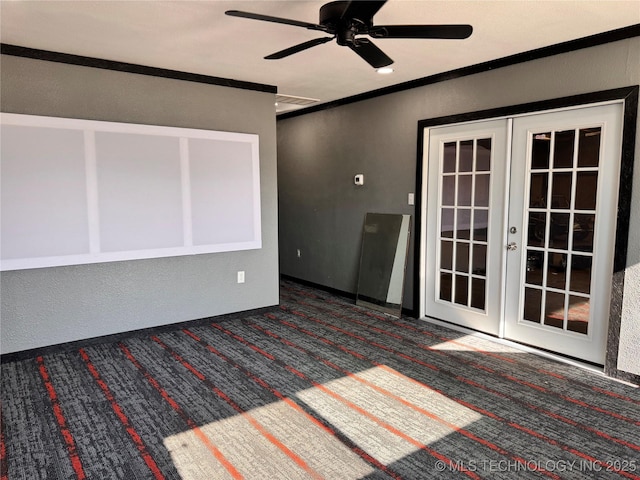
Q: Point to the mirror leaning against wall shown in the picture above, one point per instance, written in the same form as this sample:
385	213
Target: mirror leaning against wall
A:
383	261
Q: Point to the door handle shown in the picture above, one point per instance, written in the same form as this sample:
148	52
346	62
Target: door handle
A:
512	246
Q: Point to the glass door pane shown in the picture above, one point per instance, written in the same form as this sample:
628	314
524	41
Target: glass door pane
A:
561	217
463	222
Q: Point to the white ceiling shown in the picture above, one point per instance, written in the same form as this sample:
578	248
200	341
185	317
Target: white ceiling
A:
197	37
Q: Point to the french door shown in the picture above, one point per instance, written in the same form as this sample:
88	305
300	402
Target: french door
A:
521	219
466	188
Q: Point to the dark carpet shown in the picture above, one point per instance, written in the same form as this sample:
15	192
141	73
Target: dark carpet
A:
314	388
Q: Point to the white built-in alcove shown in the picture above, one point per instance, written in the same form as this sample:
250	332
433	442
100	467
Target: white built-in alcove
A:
80	191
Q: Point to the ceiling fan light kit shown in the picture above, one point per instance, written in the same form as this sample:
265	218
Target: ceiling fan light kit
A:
345	20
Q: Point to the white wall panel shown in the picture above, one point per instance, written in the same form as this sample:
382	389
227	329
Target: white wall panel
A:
150	191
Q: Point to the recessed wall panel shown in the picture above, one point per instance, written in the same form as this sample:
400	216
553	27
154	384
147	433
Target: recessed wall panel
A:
222	193
43	192
139	191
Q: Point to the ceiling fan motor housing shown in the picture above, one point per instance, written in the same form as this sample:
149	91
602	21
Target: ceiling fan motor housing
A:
345	29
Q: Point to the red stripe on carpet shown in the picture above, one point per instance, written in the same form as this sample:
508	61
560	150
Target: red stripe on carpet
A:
4	468
141	447
559	417
408	404
470	382
393	430
386	319
362	411
257	425
62	422
357	450
192	425
478	366
362	339
600	410
412	328
521	428
616	395
513	424
259	381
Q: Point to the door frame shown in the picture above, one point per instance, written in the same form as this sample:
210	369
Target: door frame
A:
626	95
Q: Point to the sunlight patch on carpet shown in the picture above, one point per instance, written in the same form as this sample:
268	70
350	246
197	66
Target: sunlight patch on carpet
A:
471	343
373	405
257	457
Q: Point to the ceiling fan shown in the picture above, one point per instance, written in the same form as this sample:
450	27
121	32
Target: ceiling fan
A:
345	20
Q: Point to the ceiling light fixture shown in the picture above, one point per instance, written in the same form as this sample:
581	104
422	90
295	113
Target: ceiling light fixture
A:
385	70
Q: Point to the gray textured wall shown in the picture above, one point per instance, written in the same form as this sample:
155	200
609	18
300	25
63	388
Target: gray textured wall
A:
54	305
322	212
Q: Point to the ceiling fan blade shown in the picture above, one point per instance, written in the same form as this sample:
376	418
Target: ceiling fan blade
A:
268	18
298	48
363	9
421	31
370	53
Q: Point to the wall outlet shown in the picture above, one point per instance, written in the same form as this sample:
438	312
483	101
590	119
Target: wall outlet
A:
241	277
411	199
298	253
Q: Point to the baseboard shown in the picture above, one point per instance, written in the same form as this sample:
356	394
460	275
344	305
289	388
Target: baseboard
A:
407	312
324	288
117	337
